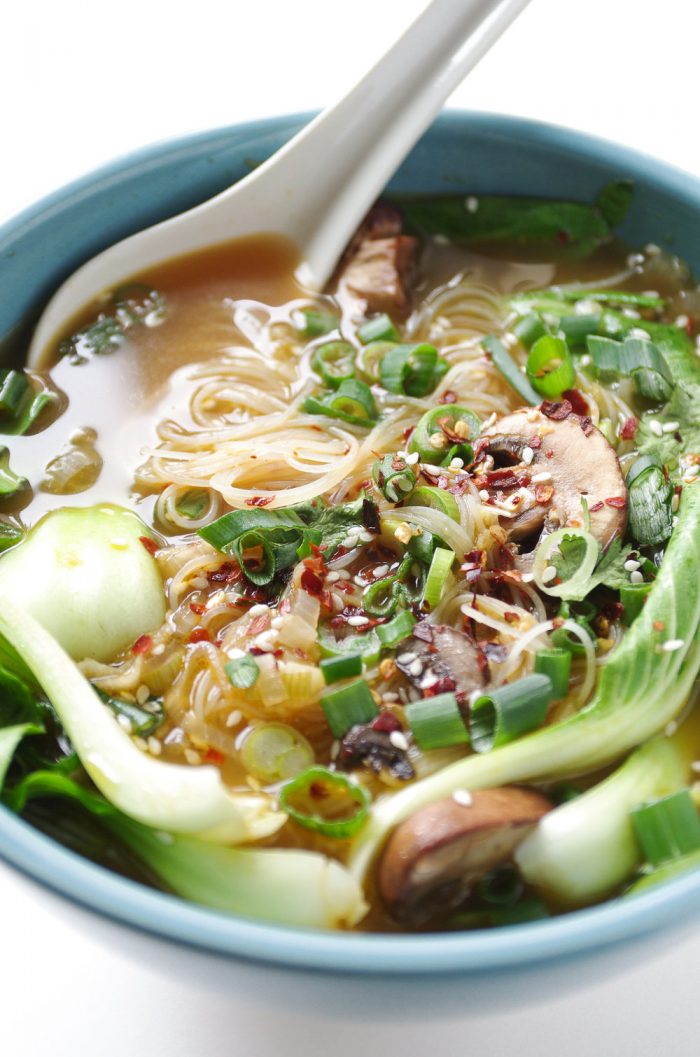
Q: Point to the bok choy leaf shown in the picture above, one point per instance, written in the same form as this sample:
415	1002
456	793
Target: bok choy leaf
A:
167	796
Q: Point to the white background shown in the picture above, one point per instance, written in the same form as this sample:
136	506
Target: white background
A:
81	83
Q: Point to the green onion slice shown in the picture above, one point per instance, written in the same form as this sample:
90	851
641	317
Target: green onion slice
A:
556	664
508	711
275	752
411	370
436	499
437	722
633	597
635	358
366	644
313	323
650	495
573	554
326	802
502	359
263	542
396	630
334	361
528	329
380	328
242	672
142	721
348	706
352	402
437	577
667	828
442	429
193	503
10	482
550	367
14	386
394	477
334	669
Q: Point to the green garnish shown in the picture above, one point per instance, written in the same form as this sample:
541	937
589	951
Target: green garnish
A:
333	669
379	328
10	482
667	828
141	721
411	370
437	578
396	630
394	477
334	362
650	495
242	672
445	432
326	802
193	503
348	706
555	663
275	752
636	358
351	402
550	367
313	323
501	358
437	722
509	711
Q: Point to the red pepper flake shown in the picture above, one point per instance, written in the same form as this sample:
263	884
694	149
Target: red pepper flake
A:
213	755
614	610
423	631
629	429
511	618
659	625
256	651
407	433
549	454
563	237
311	582
150	545
690	326
326	599
471	571
578	402
596	506
142	644
227	573
617	501
587	425
199	635
370	516
386	722
259	500
448	397
445	685
504	479
544	493
535	442
556	410
197	608
258	624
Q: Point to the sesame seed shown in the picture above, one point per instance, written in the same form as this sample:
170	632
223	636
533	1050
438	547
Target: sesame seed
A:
631	565
335	749
142	694
634	260
489	421
406	658
671	645
192	757
338	602
257	610
471	204
636	577
366	537
585	360
158	650
343	574
670	427
359	581
415	668
540	478
457	464
429	680
332	577
141	744
154	746
411	459
675	502
639	334
483	494
682	321
549	574
586	307
656	428
358	621
350	542
379	571
463	797
527	455
234	718
399	740
438	440
125	723
390	697
276	623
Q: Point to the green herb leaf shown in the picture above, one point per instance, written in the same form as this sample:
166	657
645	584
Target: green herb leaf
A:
242	672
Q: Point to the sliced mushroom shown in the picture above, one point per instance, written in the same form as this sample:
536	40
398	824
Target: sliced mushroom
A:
376	271
448	655
560	461
433	859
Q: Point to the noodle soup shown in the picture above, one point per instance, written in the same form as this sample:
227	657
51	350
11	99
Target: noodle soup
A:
395	621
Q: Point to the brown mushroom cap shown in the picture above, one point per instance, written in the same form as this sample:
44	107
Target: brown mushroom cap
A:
582	464
444	653
439	852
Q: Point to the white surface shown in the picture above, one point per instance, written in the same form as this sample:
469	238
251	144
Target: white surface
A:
81	84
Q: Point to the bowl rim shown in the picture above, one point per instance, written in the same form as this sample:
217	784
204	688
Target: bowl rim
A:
170	918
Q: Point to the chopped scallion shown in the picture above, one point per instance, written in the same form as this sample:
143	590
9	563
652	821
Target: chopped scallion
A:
325	802
396	630
335	362
436	499
556	664
275	752
334	669
351	402
411	370
379	328
501	358
313	323
10	482
633	597
508	711
667	828
441	430
550	367
348	706
437	578
650	495
437	722
242	672
394	477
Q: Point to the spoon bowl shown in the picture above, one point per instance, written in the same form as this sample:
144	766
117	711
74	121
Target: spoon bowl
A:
315	189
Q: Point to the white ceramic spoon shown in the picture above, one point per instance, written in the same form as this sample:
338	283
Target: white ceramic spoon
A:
315	189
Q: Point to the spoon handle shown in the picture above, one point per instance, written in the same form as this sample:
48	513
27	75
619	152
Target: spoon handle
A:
340	162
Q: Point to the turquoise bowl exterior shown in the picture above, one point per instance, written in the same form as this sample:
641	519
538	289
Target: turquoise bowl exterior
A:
463	152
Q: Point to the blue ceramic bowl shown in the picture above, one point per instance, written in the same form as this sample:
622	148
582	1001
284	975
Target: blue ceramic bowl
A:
462	152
